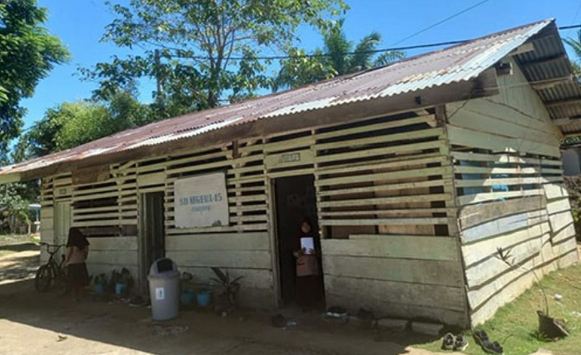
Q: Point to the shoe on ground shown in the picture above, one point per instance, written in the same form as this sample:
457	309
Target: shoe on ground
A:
448	341
461	343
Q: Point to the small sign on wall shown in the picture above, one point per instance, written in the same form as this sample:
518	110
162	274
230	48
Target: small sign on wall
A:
201	201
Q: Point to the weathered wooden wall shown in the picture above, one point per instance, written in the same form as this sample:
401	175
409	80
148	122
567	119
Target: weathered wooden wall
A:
508	177
386	203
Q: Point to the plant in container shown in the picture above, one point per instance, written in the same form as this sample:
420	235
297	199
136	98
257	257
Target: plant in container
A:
549	328
227	289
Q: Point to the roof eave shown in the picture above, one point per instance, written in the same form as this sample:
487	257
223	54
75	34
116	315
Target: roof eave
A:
430	97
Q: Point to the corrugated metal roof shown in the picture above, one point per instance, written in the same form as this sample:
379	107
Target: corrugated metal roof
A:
455	64
549	61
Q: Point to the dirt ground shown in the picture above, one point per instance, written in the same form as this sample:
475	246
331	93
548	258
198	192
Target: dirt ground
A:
49	324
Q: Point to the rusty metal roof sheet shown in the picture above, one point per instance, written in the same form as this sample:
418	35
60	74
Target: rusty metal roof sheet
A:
458	63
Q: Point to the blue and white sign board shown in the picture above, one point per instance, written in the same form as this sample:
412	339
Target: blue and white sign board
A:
201	201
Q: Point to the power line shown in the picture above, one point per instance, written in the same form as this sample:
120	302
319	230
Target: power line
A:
442	21
319	55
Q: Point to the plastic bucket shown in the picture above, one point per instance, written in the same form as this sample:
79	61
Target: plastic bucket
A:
99	289
203	298
120	289
188	297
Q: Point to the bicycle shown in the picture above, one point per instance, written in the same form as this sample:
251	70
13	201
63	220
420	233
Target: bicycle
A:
53	273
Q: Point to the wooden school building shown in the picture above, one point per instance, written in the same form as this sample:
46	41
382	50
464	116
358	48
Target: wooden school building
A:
414	174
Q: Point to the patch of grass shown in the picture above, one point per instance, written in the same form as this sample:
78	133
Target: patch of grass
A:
515	325
11	239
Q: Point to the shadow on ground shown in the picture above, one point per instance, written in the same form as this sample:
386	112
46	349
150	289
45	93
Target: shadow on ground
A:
19	247
49	323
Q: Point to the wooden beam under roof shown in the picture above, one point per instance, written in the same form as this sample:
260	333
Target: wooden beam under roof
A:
545	60
566	102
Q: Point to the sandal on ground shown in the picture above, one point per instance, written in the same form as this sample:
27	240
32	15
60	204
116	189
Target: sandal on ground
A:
448	341
482	339
461	343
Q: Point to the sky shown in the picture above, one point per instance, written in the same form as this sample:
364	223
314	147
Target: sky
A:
80	25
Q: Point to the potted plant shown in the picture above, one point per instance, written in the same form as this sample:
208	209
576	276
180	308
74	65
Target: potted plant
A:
549	327
227	289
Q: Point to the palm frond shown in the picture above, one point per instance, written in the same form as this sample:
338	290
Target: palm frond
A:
362	59
387	58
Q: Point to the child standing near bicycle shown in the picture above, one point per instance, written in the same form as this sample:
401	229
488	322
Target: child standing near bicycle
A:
76	257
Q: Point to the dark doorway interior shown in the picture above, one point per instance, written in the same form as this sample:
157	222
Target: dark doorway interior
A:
152	246
295	201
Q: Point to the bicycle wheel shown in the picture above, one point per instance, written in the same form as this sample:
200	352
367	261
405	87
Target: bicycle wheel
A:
43	278
61	282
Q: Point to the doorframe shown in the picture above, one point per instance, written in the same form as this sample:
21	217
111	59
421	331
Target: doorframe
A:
272	216
55	216
141	268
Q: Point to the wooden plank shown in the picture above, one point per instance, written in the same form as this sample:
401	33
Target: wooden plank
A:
117	257
289	159
384	221
378	151
218	241
553	191
386	138
113	243
391	246
503	159
384	308
406	162
409	212
471	215
501	127
558	205
560	220
564	234
503	225
470	138
505	181
251	278
386	187
426	272
384	176
491	196
151	179
462	169
385	200
397	292
386	125
491	268
251	259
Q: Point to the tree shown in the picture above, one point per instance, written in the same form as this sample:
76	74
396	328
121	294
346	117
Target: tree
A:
203	52
575	44
27	54
13	206
338	57
74	123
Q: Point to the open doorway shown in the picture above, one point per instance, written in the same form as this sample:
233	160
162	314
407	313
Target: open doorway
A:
152	240
295	201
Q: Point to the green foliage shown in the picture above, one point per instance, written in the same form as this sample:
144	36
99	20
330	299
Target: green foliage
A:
27	54
13	205
575	44
71	124
333	60
202	52
515	324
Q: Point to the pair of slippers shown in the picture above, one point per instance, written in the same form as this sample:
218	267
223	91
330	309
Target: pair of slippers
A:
454	342
491	347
